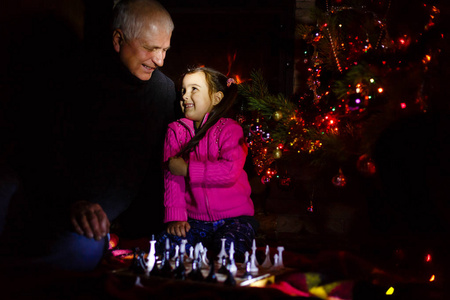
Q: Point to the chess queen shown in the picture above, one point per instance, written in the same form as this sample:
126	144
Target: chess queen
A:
207	192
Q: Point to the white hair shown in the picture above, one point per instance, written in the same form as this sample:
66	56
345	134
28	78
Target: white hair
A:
135	17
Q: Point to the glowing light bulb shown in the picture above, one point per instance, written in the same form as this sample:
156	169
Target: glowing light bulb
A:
390	291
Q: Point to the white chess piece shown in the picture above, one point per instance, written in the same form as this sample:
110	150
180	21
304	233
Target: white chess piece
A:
138	281
197	250
254	252
246	257
151	259
222	252
191	254
253	266
205	261
232	268
267	262
167	244
280	257
276	262
183	249
177	253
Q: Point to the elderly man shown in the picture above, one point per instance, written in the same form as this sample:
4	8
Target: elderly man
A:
113	116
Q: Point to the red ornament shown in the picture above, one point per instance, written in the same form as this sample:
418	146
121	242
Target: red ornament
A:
365	165
339	180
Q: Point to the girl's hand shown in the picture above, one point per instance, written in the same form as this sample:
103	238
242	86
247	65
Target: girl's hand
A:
178	228
177	166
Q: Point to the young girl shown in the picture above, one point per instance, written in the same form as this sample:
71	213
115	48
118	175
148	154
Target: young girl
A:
207	193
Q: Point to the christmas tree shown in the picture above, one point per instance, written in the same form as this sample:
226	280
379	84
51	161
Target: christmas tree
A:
368	63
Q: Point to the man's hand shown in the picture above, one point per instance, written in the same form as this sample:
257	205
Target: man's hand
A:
89	219
178	228
177	166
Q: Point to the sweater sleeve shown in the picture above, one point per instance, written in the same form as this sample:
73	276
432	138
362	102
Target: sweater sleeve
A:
174	186
226	170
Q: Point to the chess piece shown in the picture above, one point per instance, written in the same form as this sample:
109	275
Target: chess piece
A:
276	263
177	253
166	268
232	266
212	277
254	252
138	264
138	281
198	254
191	255
247	274
196	273
223	268
267	262
222	252
183	250
230	280
246	257
280	257
204	255
253	267
180	270
151	258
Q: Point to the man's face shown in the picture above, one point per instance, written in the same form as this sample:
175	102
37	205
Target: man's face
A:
143	55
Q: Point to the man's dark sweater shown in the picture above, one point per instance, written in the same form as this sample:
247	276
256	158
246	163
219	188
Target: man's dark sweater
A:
116	125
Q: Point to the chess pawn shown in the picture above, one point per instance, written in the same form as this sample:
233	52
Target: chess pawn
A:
180	270
177	253
183	249
166	268
267	262
230	281
196	273
223	268
276	263
138	264
246	254
190	258
280	257
212	277
247	274
222	252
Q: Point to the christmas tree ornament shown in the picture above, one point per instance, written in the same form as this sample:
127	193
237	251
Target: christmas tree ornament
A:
277	115
339	180
277	153
355	101
365	165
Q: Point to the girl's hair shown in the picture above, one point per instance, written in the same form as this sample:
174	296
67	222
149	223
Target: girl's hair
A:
217	82
134	17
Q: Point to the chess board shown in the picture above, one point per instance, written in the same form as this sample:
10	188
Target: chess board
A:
260	278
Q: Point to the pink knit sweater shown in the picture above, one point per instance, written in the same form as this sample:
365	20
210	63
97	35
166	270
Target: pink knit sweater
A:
217	186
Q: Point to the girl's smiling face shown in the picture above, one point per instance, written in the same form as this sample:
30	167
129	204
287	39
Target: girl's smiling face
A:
197	99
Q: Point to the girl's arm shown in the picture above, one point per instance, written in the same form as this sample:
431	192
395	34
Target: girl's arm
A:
226	170
174	186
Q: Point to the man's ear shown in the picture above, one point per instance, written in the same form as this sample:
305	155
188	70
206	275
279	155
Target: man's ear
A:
217	97
118	39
